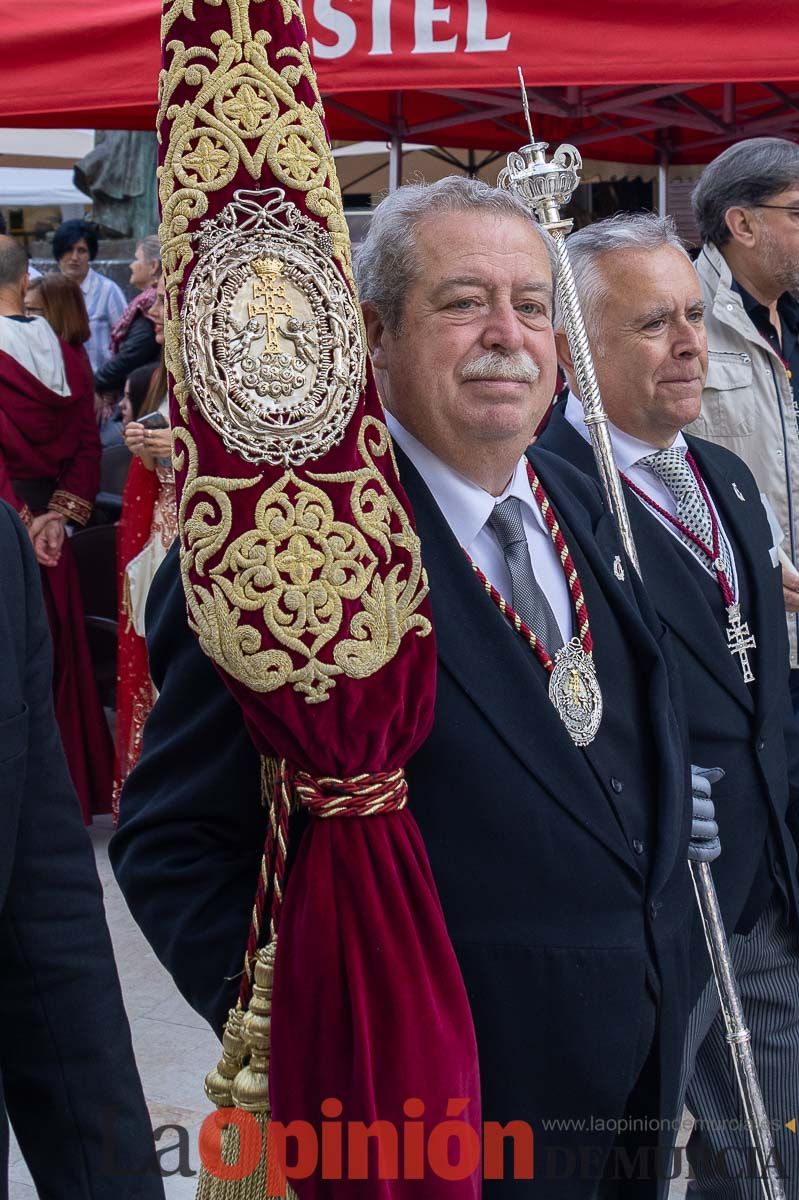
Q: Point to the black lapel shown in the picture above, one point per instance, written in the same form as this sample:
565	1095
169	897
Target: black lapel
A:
488	660
666	571
747	525
679	599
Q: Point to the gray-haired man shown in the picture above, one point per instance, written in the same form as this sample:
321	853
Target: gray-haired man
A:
747	208
703	541
560	860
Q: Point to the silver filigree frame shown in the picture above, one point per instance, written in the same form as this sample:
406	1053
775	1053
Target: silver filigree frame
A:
259	225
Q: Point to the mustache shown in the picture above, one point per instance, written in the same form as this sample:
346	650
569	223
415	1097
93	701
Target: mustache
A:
516	368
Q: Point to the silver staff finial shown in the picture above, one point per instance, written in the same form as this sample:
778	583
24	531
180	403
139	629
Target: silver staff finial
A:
523	86
545	186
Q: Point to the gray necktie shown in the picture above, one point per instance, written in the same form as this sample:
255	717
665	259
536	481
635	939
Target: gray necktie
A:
671	466
528	600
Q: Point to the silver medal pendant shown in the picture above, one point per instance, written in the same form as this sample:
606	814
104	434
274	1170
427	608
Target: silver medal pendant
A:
575	692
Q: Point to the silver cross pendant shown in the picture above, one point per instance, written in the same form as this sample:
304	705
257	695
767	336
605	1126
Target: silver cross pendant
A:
740	640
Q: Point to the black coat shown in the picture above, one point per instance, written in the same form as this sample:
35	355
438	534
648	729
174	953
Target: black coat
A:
68	1081
564	930
750	731
137	350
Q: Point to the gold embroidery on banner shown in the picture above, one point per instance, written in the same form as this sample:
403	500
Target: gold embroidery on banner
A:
297	569
242	112
300	598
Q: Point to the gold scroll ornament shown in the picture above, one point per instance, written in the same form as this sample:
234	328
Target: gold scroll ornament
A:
243	112
296	569
269	349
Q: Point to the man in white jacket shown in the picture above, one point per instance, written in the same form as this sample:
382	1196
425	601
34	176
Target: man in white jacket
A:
747	208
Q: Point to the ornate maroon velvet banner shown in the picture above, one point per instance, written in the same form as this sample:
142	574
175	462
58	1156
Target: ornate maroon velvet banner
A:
302	568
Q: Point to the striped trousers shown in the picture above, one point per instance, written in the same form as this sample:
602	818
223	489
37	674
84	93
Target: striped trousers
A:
766	963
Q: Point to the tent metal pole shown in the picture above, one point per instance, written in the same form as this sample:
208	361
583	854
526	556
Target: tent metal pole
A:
663	184
395	148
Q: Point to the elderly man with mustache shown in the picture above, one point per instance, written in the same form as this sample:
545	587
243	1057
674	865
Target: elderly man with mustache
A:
553	793
711	570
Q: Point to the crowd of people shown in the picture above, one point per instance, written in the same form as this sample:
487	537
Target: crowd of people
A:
551	858
80	366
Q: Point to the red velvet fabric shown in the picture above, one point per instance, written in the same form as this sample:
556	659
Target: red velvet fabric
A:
79	713
47	436
369	1005
134	685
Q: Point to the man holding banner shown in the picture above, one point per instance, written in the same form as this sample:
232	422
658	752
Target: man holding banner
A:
537	915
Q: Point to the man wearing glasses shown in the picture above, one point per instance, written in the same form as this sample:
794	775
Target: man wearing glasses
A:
747	207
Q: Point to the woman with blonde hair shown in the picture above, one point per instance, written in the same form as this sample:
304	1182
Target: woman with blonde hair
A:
133	340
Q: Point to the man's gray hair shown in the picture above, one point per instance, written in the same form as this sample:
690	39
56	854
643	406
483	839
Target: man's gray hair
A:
624	231
386	263
13	261
745	175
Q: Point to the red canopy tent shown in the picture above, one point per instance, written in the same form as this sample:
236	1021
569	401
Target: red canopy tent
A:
630	80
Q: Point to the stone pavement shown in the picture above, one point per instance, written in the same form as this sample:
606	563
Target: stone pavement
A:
174	1047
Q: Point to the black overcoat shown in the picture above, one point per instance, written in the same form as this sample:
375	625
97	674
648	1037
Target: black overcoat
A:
68	1081
563	879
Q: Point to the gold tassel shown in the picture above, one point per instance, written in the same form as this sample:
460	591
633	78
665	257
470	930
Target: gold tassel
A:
270	769
241	1080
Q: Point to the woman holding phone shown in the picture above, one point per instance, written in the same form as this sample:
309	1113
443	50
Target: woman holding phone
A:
146	530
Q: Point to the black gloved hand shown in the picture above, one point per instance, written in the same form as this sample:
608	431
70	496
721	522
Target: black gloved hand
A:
705	845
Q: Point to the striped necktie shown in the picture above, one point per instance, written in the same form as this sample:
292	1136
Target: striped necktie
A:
528	600
692	511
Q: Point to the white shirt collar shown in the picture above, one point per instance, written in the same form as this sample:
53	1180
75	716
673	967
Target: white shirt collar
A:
627	450
90	281
465	505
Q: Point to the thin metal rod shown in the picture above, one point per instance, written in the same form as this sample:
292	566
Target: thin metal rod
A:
395	145
739	1038
526	105
595	416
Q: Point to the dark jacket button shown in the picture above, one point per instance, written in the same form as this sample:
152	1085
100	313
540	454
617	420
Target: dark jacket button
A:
638	846
617	785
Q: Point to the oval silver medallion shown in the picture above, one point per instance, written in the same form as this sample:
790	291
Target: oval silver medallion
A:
272	342
575	692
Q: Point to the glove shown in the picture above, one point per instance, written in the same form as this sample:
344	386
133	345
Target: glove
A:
705	845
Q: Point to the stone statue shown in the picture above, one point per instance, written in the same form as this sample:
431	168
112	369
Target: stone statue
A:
119	176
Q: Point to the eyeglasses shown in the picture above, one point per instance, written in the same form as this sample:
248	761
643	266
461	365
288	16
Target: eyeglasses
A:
791	208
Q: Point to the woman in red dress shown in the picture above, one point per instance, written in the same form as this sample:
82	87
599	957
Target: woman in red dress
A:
49	472
146	530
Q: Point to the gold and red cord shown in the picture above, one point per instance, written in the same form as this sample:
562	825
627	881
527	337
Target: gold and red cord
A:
324	796
569	570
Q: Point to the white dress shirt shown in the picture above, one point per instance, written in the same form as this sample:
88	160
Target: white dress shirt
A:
628	451
105	304
467	507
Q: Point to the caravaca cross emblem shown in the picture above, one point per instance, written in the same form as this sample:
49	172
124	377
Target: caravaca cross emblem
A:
270	290
740	640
